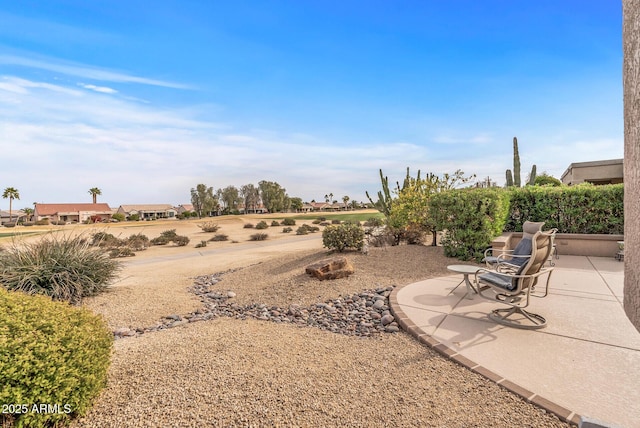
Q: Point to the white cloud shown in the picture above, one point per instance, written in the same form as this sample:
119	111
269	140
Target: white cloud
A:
84	71
102	89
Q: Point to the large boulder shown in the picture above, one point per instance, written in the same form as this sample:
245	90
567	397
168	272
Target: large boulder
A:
331	268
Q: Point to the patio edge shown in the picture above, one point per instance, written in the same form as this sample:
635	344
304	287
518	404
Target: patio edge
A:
426	339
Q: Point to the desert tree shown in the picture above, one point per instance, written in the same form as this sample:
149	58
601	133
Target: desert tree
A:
296	203
274	197
230	196
251	197
631	89
94	192
203	200
11	193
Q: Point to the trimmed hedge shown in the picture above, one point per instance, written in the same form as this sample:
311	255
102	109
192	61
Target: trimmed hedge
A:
570	209
52	354
471	218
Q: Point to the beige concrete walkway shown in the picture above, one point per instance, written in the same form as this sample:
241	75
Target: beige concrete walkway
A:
586	362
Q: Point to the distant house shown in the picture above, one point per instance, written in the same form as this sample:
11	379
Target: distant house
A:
320	206
258	209
72	212
181	209
149	211
306	208
16	216
596	172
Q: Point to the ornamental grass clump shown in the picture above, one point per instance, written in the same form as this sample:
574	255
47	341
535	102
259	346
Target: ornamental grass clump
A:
53	354
59	266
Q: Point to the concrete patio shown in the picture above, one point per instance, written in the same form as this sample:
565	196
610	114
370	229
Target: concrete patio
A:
585	363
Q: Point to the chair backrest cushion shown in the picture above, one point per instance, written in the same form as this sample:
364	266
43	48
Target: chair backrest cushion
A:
541	250
522	249
529	228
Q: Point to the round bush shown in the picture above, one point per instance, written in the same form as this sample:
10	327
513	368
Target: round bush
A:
52	353
61	267
262	225
258	237
275	223
219	237
181	241
343	236
288	222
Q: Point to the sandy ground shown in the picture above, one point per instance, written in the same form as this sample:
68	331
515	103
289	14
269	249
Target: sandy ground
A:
229	372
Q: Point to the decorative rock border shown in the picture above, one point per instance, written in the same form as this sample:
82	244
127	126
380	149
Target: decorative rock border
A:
364	314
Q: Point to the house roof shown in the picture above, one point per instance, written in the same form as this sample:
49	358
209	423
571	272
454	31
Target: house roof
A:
146	207
51	209
188	207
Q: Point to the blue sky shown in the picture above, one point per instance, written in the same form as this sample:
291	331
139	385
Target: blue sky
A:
146	99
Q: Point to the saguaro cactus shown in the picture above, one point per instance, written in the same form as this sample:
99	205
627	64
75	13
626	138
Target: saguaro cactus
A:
514	179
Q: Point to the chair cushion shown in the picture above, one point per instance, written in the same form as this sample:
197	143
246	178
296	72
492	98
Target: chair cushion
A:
497	280
529	228
523	248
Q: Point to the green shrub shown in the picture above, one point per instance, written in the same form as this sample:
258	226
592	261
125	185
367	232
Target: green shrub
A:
258	237
286	229
374	222
209	227
105	240
52	353
288	222
335	221
571	209
137	242
160	240
43	222
262	225
169	234
324	223
181	241
275	223
118	216
219	237
248	226
306	229
316	221
343	236
134	217
471	219
201	244
28	223
9	224
121	252
62	267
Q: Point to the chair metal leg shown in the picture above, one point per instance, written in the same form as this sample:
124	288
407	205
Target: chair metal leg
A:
536	321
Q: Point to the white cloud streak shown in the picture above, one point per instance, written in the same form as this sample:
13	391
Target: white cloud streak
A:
84	71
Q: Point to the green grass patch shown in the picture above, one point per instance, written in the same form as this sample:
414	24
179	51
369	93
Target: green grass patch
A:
20	233
345	216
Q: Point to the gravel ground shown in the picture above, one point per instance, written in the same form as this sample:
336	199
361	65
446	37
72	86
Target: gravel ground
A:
231	372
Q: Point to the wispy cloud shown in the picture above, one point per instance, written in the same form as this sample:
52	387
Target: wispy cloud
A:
84	71
102	89
67	139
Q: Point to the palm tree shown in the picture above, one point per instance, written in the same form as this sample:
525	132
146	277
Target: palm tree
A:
28	212
345	201
11	193
94	191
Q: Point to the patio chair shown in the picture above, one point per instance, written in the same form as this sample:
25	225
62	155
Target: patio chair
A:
514	288
520	254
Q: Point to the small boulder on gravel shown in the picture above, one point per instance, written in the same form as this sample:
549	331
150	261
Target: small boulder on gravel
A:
332	268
